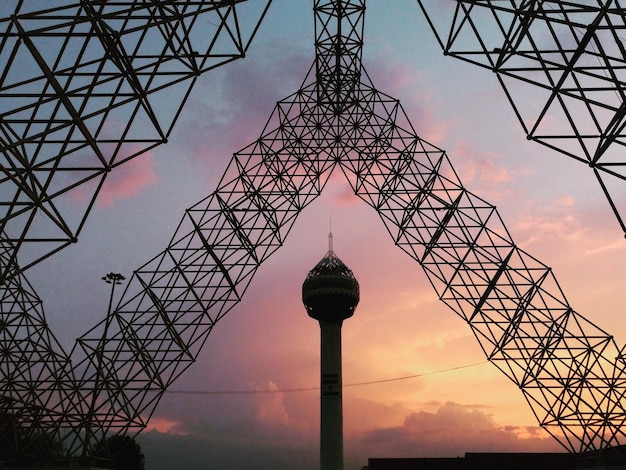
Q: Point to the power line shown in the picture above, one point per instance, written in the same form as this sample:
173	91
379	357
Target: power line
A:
311	389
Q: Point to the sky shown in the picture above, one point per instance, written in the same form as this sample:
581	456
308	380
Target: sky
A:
267	349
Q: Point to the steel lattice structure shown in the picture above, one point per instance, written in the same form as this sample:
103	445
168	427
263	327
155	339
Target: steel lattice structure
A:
81	92
571	372
562	67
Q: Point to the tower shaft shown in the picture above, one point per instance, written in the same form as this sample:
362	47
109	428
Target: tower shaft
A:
331	406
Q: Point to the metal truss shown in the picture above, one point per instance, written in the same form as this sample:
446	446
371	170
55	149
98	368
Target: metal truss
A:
571	372
36	374
562	66
81	92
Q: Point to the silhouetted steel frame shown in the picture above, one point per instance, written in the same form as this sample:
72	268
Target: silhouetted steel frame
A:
88	103
510	300
574	51
121	54
337	120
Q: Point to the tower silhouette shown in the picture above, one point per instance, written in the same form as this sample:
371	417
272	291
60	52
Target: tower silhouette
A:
330	294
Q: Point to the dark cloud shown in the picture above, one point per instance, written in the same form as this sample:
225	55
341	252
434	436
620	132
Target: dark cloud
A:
166	451
451	431
230	106
272	440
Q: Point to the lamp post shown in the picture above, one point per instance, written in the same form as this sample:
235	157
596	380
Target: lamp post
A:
113	279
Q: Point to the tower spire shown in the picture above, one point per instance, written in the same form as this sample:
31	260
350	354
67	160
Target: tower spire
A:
330	236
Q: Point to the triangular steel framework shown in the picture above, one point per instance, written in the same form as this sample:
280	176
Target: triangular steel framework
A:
81	87
571	372
561	67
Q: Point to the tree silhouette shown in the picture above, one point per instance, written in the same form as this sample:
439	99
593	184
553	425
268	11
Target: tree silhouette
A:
121	453
23	446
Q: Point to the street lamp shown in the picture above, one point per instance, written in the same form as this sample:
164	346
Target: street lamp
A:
114	279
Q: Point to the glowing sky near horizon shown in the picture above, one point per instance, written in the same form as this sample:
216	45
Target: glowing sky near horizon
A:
551	205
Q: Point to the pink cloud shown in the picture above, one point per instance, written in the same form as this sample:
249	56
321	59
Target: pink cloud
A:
544	227
416	96
128	180
481	168
270	407
489	174
341	192
163	425
122	182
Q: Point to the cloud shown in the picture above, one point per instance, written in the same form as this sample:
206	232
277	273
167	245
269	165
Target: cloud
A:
165	451
418	99
541	226
163	425
122	182
270	408
480	168
450	431
488	174
128	180
340	191
230	106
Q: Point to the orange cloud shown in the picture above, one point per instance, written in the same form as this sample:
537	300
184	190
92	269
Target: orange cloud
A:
164	425
271	408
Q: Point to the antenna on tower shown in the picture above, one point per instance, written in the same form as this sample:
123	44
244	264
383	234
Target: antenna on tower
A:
330	234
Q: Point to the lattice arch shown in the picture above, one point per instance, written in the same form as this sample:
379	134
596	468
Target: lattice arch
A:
511	301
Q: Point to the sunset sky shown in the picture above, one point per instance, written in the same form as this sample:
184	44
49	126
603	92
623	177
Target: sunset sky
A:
552	206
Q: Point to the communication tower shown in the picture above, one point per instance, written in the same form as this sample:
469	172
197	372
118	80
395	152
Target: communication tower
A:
330	294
